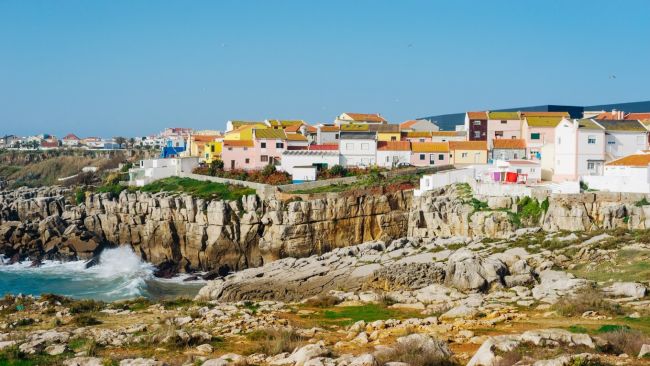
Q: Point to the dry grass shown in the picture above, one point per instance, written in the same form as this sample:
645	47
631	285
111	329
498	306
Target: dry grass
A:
586	299
272	341
415	355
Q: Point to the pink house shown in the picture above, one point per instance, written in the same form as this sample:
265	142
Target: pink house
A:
429	153
238	154
503	125
539	131
269	144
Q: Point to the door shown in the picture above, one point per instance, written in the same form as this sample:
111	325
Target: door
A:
232	164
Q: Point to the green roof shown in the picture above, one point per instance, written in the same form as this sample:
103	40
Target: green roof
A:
622	125
270	133
588	124
503	115
543	121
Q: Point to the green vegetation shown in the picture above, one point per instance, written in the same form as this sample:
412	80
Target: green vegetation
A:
348	315
625	265
642	202
586	299
197	188
374	179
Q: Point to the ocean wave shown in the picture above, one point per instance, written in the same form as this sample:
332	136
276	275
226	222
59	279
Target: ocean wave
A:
119	274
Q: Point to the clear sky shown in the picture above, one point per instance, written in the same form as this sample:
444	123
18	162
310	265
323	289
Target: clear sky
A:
134	67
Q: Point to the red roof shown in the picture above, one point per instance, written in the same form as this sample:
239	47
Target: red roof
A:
71	136
477	115
509	143
393	145
637	116
330	147
408	124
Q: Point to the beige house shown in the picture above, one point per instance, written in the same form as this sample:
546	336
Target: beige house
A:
468	152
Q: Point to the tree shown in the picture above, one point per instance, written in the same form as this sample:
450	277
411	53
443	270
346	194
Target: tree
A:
131	142
120	140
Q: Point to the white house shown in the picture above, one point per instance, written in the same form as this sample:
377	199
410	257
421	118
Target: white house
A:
327	134
531	169
154	169
628	174
391	154
418	125
358	148
623	137
70	140
318	158
369	118
303	174
579	149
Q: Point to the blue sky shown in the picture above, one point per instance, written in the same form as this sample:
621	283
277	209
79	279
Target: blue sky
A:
134	67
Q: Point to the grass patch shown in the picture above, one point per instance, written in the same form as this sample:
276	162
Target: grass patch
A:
623	340
577	329
85	320
85	306
626	265
348	315
586	299
197	188
272	341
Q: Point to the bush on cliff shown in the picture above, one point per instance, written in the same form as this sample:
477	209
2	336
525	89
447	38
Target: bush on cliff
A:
199	189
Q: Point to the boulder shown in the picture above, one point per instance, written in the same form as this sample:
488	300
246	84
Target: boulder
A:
626	289
468	271
83	361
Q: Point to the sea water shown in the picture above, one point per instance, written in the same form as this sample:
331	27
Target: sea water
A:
120	274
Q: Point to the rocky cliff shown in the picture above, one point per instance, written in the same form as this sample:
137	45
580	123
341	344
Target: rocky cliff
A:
179	232
193	233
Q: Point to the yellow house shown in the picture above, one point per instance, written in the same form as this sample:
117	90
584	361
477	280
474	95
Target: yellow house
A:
468	152
197	144
212	151
244	132
387	132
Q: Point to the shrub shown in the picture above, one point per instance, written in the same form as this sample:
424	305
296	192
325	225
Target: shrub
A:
626	341
323	301
84	320
337	171
642	202
80	196
272	341
587	299
478	205
85	306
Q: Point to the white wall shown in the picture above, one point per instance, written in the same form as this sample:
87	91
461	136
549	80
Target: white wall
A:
625	184
587	151
304	174
389	159
565	149
360	152
620	144
289	160
433	181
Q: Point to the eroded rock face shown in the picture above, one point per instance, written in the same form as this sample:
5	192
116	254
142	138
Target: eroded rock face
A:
185	233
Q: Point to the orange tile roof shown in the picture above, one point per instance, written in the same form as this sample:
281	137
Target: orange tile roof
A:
311	129
468	145
238	143
637	116
477	115
204	138
509	143
329	128
393	146
408	124
292	128
296	137
429	146
368	117
637	160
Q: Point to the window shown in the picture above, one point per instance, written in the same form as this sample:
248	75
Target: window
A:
336	136
422	157
230	149
421	140
432	158
263	145
611	142
518	171
591	140
264	158
247	160
245	149
590	165
393	138
463	155
388	158
498	133
477	123
279	145
364	146
441	156
477	134
503	122
535	136
516	156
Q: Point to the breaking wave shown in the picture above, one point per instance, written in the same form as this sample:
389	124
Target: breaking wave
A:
119	274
